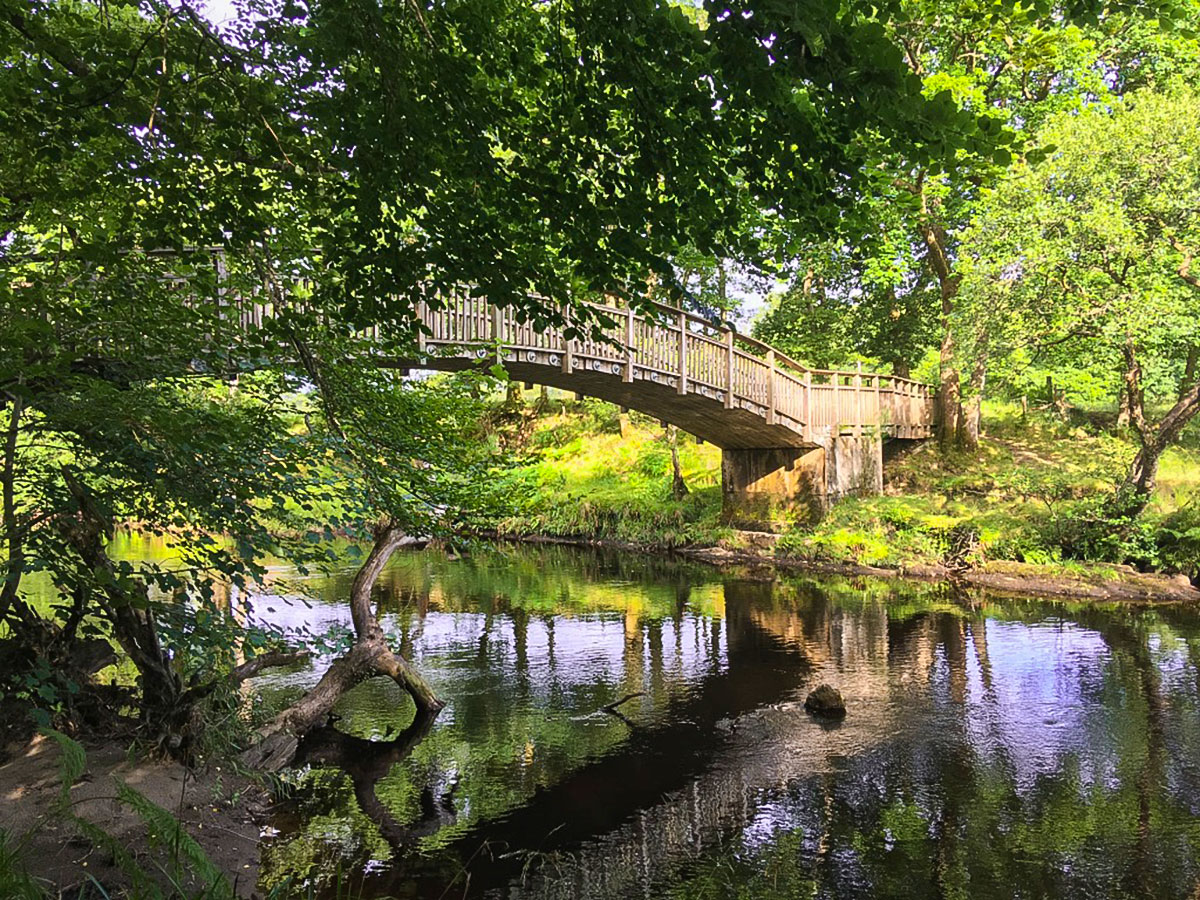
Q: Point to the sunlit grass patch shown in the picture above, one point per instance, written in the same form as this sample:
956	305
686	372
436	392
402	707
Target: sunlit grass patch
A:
595	474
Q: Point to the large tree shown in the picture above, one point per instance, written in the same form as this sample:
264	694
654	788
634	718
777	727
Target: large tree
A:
1092	252
1015	66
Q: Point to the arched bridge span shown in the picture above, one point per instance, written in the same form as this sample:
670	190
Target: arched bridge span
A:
792	438
722	387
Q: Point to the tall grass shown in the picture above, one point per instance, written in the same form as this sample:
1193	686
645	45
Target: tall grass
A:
583	478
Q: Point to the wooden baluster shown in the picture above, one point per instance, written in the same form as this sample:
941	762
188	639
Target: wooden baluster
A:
858	407
568	359
770	387
729	369
422	313
629	348
222	277
806	406
683	353
879	418
497	333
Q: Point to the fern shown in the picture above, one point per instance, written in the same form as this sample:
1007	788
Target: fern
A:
188	858
18	883
141	887
71	765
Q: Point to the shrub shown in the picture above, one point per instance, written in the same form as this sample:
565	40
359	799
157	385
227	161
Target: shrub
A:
1101	528
1179	541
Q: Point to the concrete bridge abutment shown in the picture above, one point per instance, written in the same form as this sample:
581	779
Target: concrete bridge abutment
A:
762	488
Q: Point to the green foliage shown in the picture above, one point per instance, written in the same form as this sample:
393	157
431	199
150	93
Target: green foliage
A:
16	880
877	292
408	451
584	480
875	531
1082	259
72	761
1178	541
1097	529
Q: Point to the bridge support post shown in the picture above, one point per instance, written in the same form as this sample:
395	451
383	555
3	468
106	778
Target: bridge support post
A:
764	488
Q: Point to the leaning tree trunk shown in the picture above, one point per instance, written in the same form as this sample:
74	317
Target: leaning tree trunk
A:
164	709
369	657
1143	472
679	488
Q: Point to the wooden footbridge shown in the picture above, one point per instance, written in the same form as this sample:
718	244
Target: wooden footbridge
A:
721	386
790	435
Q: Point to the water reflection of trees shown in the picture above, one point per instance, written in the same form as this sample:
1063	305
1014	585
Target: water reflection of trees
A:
928	815
993	748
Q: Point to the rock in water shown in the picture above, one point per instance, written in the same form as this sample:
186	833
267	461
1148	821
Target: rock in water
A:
826	701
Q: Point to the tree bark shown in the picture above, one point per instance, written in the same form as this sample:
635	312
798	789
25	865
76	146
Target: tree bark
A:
1124	414
972	416
369	657
679	488
1189	368
1143	472
12	532
512	397
948	409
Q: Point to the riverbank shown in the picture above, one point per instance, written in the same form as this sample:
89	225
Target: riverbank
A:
133	841
1026	513
1101	583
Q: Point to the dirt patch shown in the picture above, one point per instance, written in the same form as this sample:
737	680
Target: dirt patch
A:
216	807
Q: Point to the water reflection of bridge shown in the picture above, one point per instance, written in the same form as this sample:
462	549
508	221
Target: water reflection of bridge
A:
617	826
767	750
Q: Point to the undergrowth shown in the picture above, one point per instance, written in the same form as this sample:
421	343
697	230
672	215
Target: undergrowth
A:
1039	491
582	478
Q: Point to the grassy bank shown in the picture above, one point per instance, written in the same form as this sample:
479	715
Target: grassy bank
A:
1034	494
591	472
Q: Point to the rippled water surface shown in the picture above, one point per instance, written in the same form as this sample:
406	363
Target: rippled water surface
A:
993	748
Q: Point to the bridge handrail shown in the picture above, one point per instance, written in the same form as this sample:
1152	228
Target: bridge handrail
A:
781	359
652	342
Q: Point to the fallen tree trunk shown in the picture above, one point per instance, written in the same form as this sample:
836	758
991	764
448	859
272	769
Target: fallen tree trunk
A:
369	657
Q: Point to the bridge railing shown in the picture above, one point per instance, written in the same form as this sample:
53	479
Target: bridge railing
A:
694	356
664	345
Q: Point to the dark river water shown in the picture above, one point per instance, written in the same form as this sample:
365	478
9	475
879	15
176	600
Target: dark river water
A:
993	748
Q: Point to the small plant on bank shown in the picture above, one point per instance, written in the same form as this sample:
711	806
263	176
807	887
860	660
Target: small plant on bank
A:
1179	541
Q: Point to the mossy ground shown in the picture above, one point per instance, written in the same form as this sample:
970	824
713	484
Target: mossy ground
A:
1034	493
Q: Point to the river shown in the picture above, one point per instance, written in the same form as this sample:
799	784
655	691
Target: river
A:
993	748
